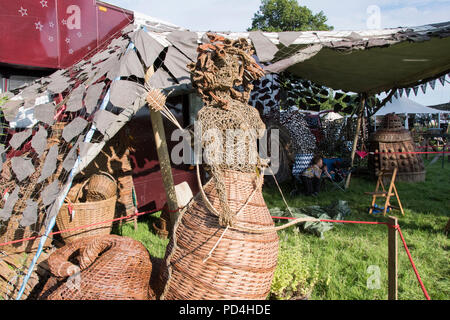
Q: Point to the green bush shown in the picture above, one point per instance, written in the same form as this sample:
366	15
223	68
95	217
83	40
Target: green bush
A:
3	100
296	275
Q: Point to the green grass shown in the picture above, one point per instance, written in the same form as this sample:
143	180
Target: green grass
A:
348	250
145	234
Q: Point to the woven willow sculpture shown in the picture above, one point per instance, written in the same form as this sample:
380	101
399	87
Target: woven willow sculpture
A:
212	255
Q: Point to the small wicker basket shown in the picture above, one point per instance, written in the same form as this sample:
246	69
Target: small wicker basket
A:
74	214
101	187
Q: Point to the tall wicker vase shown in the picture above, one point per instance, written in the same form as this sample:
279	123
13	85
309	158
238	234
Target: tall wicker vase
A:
242	264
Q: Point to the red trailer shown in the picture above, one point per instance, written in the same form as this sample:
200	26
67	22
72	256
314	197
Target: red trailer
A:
41	36
55	34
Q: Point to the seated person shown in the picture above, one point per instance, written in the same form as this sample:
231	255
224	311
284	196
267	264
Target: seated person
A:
311	176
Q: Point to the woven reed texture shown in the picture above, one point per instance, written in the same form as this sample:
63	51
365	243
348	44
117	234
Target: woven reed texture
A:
112	268
12	270
242	265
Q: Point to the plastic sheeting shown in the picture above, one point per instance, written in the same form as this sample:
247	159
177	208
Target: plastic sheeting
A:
75	102
19	138
74	128
6	211
50	193
131	66
49	166
148	48
29	214
124	93
92	96
45	113
186	42
265	48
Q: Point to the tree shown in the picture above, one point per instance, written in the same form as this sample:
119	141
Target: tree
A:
287	15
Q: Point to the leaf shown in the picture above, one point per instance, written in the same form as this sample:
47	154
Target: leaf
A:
339	96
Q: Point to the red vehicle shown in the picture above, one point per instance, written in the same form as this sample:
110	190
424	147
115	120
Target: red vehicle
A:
42	36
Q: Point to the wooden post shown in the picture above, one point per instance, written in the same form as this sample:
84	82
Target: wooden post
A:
443	155
355	140
392	259
165	165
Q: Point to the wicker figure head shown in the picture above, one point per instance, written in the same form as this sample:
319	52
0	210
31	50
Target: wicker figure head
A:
222	67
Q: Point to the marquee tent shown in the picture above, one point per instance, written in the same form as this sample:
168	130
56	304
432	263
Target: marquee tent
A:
406	106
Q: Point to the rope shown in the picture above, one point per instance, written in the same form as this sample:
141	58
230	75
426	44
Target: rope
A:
340	221
281	192
412	263
396	227
294	222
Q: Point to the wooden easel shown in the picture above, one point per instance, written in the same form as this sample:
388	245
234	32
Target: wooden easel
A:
386	194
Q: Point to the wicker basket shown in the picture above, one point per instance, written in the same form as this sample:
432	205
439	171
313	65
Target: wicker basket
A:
101	187
112	268
114	160
241	266
83	214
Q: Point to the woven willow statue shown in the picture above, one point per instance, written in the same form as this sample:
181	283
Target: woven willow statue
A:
224	245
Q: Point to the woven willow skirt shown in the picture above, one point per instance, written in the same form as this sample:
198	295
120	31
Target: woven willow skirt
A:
243	263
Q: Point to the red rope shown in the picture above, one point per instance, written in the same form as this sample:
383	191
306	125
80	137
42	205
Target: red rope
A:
397	227
281	218
412	263
430	152
79	228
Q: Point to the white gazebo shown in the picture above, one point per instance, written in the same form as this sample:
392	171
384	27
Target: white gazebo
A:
406	106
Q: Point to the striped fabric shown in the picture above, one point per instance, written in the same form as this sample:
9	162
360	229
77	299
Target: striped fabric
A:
302	162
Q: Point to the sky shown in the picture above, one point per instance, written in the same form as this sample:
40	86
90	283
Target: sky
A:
236	15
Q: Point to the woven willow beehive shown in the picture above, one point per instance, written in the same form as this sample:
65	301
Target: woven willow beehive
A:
394	143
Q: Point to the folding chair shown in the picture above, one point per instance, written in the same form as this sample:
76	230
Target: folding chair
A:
392	191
